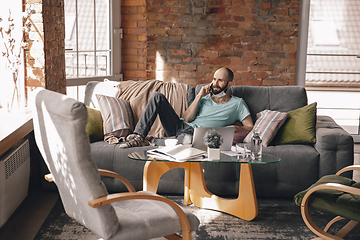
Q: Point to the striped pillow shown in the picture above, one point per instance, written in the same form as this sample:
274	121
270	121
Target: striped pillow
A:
268	123
117	116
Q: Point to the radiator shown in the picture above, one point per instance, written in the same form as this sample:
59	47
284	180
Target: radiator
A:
14	180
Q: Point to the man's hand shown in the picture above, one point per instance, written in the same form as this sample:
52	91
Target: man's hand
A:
204	90
247	125
192	111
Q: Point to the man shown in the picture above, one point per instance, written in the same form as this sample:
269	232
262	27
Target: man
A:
212	107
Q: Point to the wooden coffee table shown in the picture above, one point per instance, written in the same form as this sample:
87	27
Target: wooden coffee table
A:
195	191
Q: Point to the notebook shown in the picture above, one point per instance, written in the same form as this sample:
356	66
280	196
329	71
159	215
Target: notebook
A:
227	133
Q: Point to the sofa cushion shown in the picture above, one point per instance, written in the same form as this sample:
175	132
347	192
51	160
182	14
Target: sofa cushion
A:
275	98
299	127
268	123
117	116
94	126
239	135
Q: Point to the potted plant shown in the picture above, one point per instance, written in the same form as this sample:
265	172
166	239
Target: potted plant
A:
213	140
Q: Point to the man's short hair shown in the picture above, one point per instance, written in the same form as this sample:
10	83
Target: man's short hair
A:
230	73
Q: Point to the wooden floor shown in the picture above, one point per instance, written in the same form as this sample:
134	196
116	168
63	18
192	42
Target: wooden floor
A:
28	218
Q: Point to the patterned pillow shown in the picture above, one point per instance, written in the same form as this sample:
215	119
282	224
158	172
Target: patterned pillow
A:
117	116
268	123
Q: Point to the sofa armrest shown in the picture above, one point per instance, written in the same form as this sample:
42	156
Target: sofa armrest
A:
335	145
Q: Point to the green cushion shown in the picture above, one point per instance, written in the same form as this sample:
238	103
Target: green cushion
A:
299	127
336	202
94	126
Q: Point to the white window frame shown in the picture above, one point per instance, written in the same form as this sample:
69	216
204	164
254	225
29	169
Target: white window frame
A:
300	76
116	34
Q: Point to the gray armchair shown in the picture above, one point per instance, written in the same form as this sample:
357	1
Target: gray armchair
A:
59	127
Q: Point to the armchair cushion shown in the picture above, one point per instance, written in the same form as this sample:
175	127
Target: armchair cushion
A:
117	116
333	201
142	210
299	127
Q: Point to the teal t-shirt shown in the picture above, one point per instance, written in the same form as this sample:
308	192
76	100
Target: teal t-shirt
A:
212	114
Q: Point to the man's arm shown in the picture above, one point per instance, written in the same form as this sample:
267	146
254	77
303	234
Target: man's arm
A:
190	113
247	125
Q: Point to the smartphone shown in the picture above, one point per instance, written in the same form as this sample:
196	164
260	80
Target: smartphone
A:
211	88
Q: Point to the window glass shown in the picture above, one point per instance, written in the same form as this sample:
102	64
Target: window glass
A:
88	38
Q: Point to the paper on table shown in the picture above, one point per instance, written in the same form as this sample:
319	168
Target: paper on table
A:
177	153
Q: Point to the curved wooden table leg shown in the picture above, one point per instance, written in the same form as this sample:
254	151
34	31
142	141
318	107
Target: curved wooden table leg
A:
154	170
244	207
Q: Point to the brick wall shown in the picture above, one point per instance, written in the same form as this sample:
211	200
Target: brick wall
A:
54	45
134	43
45	58
187	40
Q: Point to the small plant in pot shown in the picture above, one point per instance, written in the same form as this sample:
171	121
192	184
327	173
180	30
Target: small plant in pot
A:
213	141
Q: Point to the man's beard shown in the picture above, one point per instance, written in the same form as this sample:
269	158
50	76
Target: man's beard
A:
219	91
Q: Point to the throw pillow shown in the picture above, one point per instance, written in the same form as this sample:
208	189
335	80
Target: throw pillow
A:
267	123
299	127
239	135
94	125
117	116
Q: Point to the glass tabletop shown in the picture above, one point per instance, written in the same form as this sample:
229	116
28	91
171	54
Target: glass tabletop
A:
225	157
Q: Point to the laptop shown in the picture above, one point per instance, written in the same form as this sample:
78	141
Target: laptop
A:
227	133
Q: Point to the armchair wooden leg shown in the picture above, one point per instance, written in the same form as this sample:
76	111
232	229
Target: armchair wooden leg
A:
312	226
173	237
341	234
334	220
347	229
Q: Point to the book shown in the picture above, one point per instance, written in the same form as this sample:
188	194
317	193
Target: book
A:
176	153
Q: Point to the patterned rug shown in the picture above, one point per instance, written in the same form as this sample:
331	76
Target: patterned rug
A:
278	218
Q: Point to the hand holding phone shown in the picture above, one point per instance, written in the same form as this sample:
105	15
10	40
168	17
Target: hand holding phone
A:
211	89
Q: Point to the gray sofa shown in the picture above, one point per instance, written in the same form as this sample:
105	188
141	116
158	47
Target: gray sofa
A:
300	165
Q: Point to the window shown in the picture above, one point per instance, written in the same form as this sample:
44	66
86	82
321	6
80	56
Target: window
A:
92	43
329	59
333	44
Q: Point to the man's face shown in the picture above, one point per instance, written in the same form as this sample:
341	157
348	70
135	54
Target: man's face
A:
220	81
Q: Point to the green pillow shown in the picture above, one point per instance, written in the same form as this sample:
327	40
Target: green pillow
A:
299	127
94	126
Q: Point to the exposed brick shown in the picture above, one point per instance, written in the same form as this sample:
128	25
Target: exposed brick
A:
258	68
289	47
288	62
247	75
253	54
238	11
129	17
261	75
265	4
180	52
133	2
204	38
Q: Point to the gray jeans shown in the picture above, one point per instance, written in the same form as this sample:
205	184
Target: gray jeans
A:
159	105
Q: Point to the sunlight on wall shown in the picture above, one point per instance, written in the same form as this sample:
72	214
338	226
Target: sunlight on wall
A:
160	75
